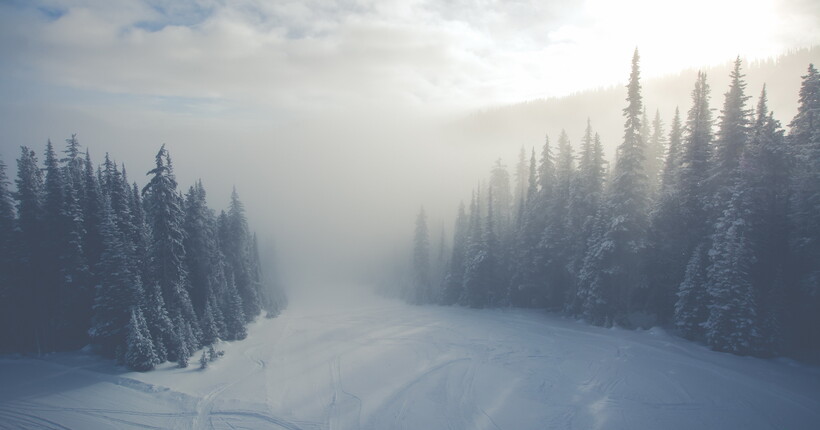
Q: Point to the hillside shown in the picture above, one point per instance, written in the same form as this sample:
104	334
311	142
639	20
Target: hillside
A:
509	127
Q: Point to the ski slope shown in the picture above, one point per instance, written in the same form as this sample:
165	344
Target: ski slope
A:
358	362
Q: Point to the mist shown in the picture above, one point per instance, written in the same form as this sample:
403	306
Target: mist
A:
334	123
608	269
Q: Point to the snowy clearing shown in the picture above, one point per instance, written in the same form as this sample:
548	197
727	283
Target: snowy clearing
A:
349	363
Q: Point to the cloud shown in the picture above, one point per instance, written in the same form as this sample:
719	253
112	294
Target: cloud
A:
316	55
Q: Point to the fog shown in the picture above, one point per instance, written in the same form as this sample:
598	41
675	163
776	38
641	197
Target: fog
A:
334	121
336	196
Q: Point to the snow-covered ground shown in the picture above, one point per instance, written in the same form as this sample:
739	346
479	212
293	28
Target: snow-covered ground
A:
347	362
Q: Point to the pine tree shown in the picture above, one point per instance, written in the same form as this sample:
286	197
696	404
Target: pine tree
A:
502	198
455	272
50	267
732	325
691	305
139	354
181	345
804	138
159	324
524	285
765	171
163	205
804	217
208	324
30	238
92	212
731	138
595	295
235	241
619	249
585	205
672	160
655	143
475	267
119	289
556	239
502	205
203	361
75	291
685	223
8	295
234	314
521	181
421	262
200	245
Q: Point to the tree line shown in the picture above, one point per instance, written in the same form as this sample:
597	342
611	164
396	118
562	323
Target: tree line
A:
711	228
144	275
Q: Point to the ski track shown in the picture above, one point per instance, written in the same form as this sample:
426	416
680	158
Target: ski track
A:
381	364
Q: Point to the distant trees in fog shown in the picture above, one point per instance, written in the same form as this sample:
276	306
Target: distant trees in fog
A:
712	228
146	275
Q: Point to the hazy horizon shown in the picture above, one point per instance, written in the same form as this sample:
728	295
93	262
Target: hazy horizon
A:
327	116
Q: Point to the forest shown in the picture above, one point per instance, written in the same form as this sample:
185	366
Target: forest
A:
143	275
710	228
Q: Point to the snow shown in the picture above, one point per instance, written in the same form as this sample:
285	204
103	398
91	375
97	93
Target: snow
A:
354	361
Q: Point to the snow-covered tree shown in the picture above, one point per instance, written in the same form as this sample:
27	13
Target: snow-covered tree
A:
731	138
620	247
163	205
557	240
732	325
119	289
422	288
139	353
235	240
804	216
692	300
30	239
655	144
455	272
8	293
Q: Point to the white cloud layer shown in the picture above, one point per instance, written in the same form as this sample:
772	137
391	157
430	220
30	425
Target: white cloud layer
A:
307	55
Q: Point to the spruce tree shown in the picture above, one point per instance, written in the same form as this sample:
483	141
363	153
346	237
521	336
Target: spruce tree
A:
671	165
455	271
235	240
8	293
556	240
521	181
765	172
422	290
208	324
688	225
655	144
731	138
620	285
475	273
502	198
50	268
139	353
159	323
732	324
29	287
200	245
92	212
75	292
164	207
804	217
119	289
524	284
234	313
691	305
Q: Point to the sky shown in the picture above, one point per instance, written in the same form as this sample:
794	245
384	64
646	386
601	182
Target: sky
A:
310	107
